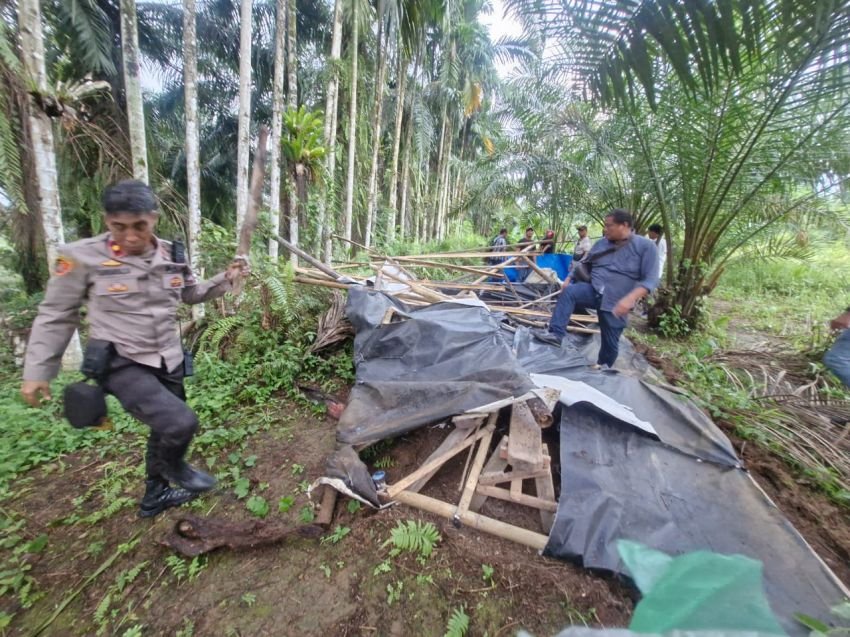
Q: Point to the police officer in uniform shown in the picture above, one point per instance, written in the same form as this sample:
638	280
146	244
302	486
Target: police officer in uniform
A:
132	284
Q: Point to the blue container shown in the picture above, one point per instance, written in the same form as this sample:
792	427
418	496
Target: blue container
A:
560	263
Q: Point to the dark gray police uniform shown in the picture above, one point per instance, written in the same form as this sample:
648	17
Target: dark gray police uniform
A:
132	303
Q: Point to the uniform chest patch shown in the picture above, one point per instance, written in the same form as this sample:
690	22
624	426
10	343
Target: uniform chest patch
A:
172	281
62	266
111	263
111	271
110	287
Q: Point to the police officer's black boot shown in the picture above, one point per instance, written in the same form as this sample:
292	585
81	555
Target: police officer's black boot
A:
175	469
159	496
166	460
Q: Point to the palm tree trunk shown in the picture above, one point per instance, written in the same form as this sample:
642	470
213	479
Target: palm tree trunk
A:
352	128
243	149
193	170
292	103
133	90
44	154
377	111
399	115
277	125
326	222
405	179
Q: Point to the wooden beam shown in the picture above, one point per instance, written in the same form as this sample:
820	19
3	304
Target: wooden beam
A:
435	463
521	498
477	465
455	437
476	521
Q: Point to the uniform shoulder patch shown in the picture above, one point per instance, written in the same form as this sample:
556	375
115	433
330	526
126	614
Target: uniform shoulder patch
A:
63	265
111	263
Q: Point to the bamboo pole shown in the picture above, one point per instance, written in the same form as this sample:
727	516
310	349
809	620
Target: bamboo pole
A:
477	466
476	521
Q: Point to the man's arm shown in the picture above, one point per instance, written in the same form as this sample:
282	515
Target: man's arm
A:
58	318
201	291
648	282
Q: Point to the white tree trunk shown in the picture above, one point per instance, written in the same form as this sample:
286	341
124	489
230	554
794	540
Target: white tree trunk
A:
399	116
193	168
44	154
405	179
133	89
352	129
292	102
277	126
243	148
326	221
377	111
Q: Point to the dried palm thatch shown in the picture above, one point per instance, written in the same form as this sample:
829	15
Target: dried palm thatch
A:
805	425
333	327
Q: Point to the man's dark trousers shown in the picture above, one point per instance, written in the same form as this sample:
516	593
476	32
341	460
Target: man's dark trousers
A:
580	297
155	397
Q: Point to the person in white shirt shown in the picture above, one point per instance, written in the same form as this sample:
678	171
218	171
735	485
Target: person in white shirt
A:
583	244
655	234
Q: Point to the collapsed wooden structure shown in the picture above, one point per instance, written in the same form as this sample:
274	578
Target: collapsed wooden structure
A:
409	279
518	470
521	457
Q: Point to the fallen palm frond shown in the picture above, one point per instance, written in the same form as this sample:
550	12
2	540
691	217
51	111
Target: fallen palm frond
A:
333	327
800	421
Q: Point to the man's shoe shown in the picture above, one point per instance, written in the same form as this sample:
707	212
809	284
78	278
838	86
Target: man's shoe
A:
159	496
185	475
545	336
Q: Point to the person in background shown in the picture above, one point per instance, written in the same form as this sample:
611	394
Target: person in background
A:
837	359
547	246
498	245
526	244
582	245
527	240
656	232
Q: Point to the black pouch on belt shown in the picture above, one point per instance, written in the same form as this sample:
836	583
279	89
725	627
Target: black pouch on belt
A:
96	359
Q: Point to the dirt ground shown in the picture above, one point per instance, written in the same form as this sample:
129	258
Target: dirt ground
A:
303	587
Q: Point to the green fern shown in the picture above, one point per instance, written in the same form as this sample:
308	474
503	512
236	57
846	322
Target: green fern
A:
413	536
128	577
220	330
458	623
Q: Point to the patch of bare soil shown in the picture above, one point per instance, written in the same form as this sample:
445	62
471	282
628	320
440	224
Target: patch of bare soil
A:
114	575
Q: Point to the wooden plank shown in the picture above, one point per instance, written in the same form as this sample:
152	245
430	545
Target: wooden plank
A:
492	478
466	421
546	491
477	465
455	437
524	445
496	464
545	506
434	463
476	521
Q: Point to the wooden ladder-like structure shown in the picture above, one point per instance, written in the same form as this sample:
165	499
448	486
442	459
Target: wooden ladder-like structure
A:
519	458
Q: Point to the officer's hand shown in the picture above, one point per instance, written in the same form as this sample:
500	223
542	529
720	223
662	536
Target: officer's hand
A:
623	307
35	391
238	267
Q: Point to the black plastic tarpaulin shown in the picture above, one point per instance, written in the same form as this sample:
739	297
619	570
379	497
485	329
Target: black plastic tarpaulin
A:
429	363
675	485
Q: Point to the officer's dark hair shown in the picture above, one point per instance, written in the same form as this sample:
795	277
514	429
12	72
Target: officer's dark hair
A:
657	229
129	195
621	216
503	231
529	228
